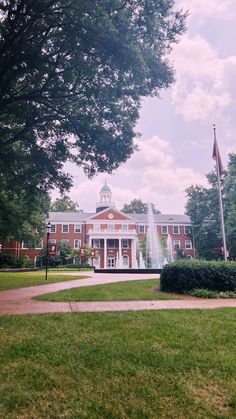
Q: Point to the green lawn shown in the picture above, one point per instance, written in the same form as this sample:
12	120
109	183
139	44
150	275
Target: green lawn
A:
162	364
130	290
10	280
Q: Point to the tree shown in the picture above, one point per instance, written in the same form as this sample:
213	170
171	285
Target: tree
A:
64	204
72	74
22	215
63	252
137	206
230	193
203	208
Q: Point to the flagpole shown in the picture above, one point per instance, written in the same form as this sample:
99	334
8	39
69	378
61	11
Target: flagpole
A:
220	196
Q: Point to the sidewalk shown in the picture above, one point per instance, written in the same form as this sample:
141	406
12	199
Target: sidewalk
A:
19	301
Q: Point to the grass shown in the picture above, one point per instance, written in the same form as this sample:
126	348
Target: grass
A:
11	280
130	290
163	364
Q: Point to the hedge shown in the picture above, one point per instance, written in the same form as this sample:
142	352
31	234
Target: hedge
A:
184	276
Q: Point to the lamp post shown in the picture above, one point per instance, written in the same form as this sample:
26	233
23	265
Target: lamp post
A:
48	229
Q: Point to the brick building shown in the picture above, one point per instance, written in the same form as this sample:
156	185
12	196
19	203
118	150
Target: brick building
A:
113	235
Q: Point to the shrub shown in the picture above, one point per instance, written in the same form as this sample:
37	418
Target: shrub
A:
184	276
6	260
202	293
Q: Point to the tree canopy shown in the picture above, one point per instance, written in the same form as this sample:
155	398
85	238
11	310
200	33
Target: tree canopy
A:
72	74
137	206
64	204
203	209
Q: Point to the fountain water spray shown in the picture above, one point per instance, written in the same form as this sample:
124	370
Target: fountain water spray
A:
154	251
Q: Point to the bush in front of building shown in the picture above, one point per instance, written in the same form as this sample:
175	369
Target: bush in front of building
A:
184	276
6	260
9	261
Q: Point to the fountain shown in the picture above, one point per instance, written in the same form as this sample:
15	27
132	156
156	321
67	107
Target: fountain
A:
170	255
154	251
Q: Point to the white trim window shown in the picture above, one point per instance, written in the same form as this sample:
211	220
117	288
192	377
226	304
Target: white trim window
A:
65	228
77	228
164	229
176	244
124	227
53	228
40	246
111	227
187	230
175	229
125	243
64	241
96	243
77	244
52	241
111	243
28	245
141	229
188	244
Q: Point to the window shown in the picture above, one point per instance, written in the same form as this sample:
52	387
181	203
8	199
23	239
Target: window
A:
65	228
77	228
96	244
111	243
53	228
125	261
52	241
176	229
187	229
111	227
64	240
142	229
125	243
188	244
38	244
176	244
164	229
124	227
77	244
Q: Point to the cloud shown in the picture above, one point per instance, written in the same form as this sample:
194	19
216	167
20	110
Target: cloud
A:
157	176
203	87
201	10
151	174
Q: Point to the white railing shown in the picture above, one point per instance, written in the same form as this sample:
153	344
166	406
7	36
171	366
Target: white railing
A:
107	231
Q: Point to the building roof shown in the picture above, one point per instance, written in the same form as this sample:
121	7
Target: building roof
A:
80	216
163	218
68	217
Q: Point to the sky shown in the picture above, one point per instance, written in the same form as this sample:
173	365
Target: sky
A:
175	147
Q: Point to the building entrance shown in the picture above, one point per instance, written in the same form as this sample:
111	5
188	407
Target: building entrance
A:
111	262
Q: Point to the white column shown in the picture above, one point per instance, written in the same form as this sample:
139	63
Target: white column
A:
120	255
105	253
132	254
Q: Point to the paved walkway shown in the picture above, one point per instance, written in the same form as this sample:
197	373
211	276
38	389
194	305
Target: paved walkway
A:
19	301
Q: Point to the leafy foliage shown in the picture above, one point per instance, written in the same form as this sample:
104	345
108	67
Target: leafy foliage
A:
137	206
184	276
203	209
64	204
203	293
71	78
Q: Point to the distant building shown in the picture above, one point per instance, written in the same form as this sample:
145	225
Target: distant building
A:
113	235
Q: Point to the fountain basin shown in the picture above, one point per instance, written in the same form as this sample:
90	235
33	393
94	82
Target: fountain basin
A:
129	271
